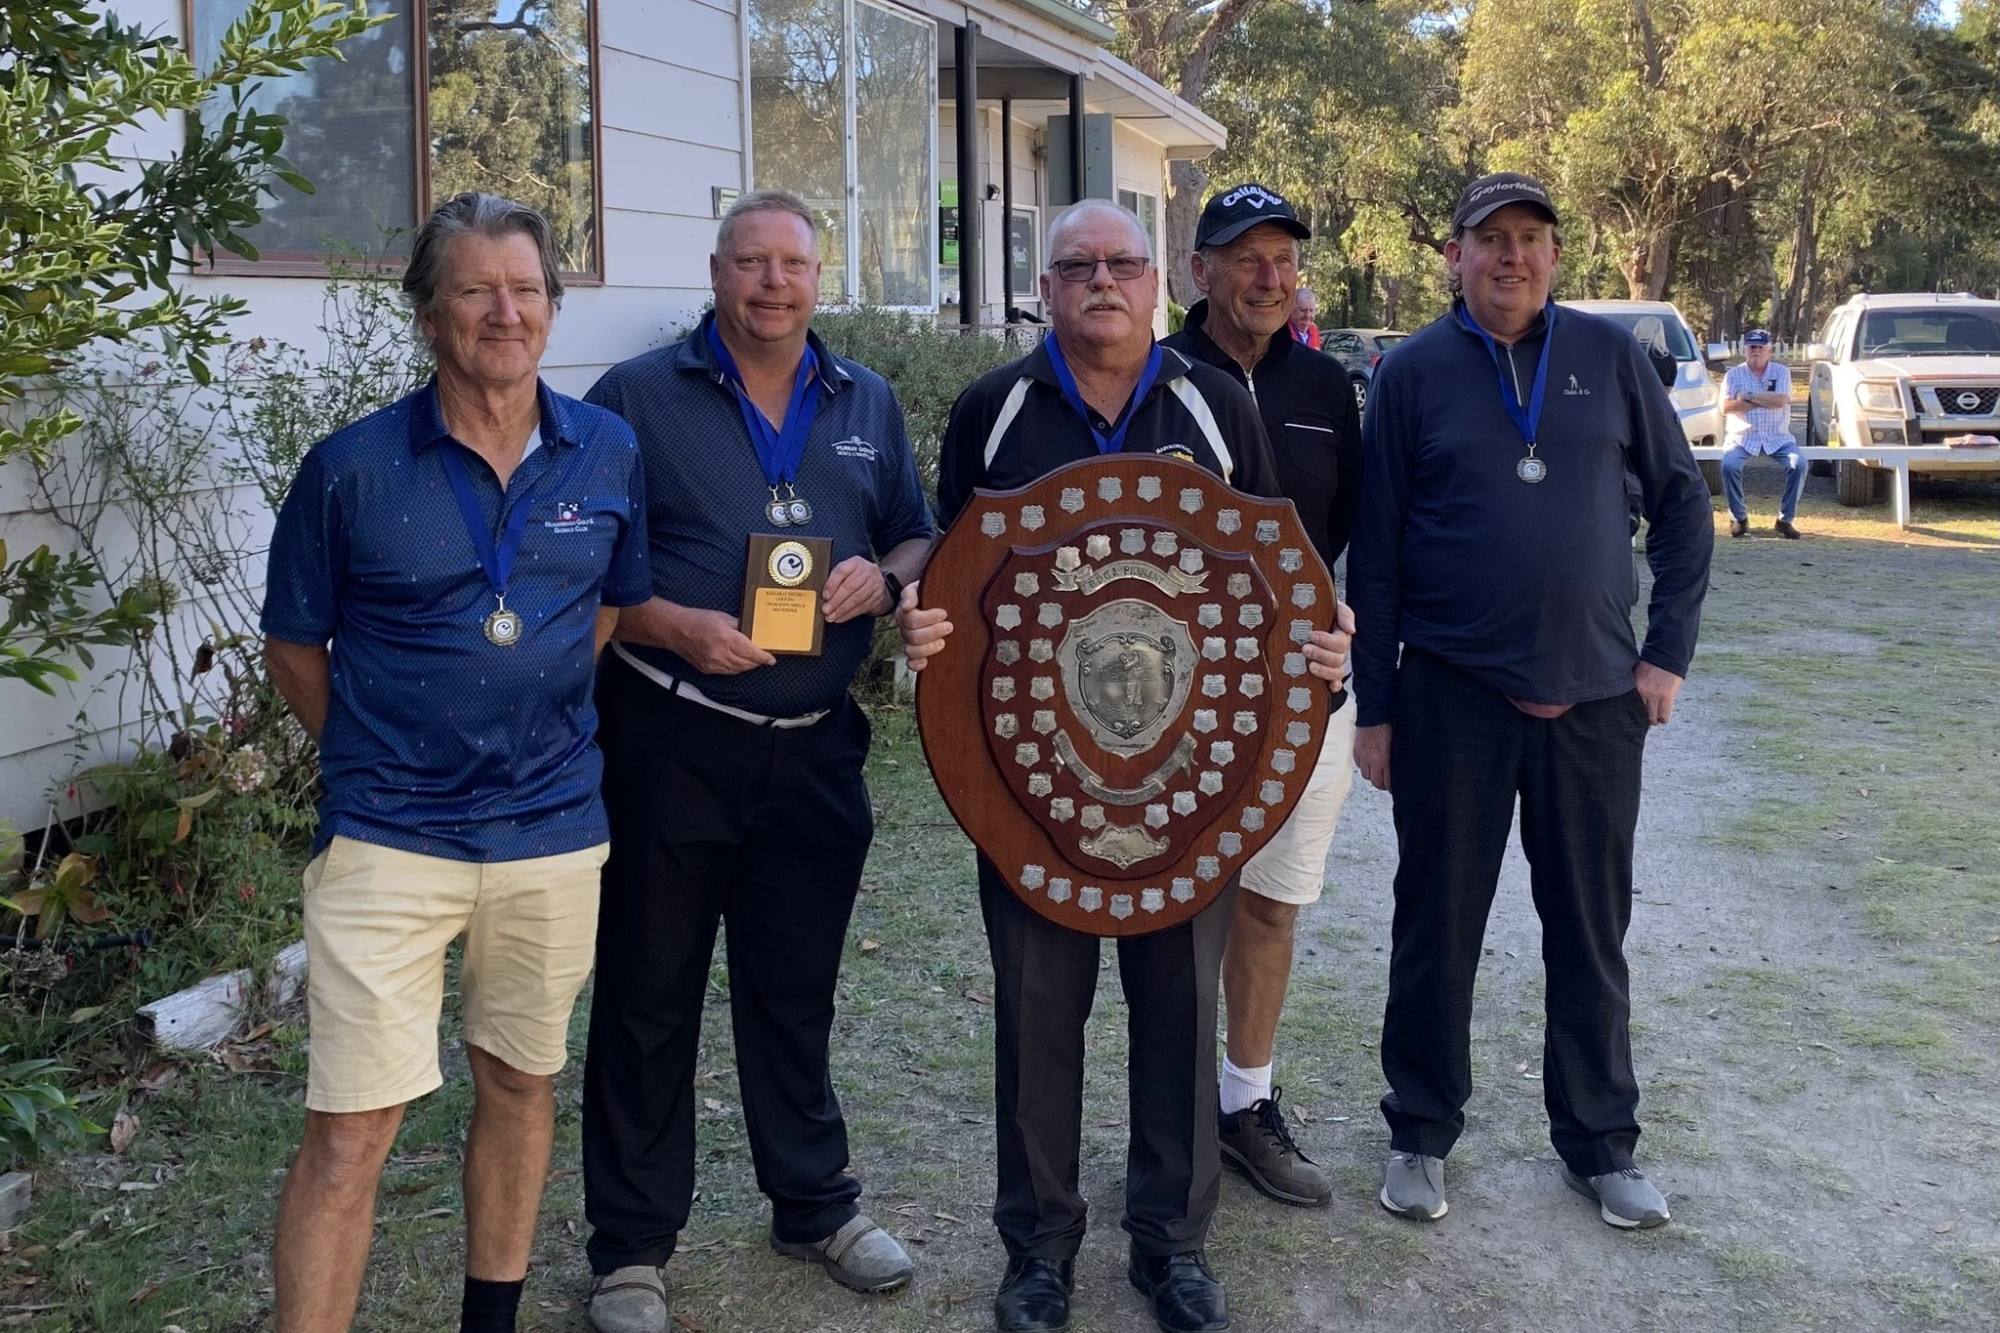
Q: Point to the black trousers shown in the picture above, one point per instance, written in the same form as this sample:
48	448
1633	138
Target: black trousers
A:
1045	981
1460	754
766	829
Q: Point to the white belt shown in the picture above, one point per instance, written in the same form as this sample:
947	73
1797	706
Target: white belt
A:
687	691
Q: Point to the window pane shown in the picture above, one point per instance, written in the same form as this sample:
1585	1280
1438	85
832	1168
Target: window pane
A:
894	126
797	117
352	132
510	111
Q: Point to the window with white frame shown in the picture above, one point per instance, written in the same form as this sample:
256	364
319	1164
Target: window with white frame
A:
1147	206
498	95
843	112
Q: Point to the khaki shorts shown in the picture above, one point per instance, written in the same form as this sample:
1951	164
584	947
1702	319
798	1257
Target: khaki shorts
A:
377	923
1291	867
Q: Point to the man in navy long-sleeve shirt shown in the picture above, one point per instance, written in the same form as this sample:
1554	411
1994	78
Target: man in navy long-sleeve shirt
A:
1493	547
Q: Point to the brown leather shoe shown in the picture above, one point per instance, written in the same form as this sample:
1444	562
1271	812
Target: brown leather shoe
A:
1787	531
1257	1142
1739	526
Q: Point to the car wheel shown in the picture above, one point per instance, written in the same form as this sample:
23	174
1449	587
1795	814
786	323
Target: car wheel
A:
1711	473
1360	393
1853	483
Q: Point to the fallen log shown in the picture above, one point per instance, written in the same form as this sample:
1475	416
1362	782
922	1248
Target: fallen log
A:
207	1012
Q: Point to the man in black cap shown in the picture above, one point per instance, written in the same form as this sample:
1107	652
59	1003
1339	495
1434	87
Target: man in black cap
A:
1493	546
1246	263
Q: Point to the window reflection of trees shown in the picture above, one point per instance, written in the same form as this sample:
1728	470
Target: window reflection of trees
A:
798	113
351	131
510	110
509	102
893	127
797	100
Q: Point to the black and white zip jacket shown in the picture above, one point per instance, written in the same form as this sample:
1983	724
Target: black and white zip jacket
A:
1013	427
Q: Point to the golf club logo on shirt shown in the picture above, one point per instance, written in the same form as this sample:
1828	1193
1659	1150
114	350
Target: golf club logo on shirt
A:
1575	390
568	518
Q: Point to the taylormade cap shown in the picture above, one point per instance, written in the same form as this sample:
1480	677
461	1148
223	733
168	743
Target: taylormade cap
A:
1234	211
1487	195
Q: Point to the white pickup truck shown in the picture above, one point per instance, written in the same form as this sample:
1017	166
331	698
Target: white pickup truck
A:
1907	369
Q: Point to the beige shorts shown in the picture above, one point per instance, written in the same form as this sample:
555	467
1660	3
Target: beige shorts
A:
1291	867
377	923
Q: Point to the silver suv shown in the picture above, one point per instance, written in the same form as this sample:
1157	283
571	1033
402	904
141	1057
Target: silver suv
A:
1904	369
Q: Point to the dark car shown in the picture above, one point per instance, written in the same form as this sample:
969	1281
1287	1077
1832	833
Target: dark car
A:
1359	350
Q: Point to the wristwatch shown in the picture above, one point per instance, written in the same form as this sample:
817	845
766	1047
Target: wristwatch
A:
895	587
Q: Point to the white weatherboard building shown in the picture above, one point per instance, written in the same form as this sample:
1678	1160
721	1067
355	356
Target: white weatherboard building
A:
934	138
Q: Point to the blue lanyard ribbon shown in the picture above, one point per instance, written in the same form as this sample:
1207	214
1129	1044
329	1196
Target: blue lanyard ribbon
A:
1114	442
778	449
1526	419
496	559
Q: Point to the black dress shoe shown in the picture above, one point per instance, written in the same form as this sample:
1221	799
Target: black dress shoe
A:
1187	1297
1034	1296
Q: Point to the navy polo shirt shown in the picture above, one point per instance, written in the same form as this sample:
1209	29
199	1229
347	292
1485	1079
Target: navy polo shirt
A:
437	741
705	495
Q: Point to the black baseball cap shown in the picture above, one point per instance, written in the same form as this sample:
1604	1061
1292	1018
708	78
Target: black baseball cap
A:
1236	210
1487	195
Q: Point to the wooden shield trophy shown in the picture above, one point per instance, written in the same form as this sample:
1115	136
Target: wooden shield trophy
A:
1123	714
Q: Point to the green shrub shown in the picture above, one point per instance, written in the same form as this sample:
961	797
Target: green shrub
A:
36	1112
928	365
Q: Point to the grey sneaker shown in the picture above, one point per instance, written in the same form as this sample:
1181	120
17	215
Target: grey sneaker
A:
630	1300
860	1255
1257	1142
1413	1186
1624	1198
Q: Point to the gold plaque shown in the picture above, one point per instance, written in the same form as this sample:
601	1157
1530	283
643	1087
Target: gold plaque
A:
782	580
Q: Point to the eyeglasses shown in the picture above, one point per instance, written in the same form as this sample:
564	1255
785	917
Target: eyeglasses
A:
1123	267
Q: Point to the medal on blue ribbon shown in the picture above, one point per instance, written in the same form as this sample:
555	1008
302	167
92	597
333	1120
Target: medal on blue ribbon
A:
496	559
1115	441
1527	419
779	449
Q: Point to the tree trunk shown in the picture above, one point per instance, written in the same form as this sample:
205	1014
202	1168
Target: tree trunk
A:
1190	183
1796	325
1392	298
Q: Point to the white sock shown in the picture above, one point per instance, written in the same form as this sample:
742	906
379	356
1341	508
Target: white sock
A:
1243	1088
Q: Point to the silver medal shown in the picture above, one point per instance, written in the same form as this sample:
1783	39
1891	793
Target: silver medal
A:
800	512
503	627
1531	469
778	512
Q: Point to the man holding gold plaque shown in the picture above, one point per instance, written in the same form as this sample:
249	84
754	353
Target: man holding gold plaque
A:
786	514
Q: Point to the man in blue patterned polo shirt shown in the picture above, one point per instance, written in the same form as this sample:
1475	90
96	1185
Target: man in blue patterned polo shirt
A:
466	551
732	776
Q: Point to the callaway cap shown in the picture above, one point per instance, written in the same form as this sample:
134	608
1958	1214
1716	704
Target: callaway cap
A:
1234	211
1757	338
1481	199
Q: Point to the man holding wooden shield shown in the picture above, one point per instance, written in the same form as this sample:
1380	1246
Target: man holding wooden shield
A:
1102	386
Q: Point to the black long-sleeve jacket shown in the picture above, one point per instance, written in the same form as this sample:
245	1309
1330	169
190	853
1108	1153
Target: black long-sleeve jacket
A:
1524	586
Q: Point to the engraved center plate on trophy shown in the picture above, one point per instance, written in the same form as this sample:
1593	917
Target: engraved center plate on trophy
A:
1125	645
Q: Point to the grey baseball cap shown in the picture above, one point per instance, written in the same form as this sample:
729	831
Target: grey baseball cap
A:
1487	195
